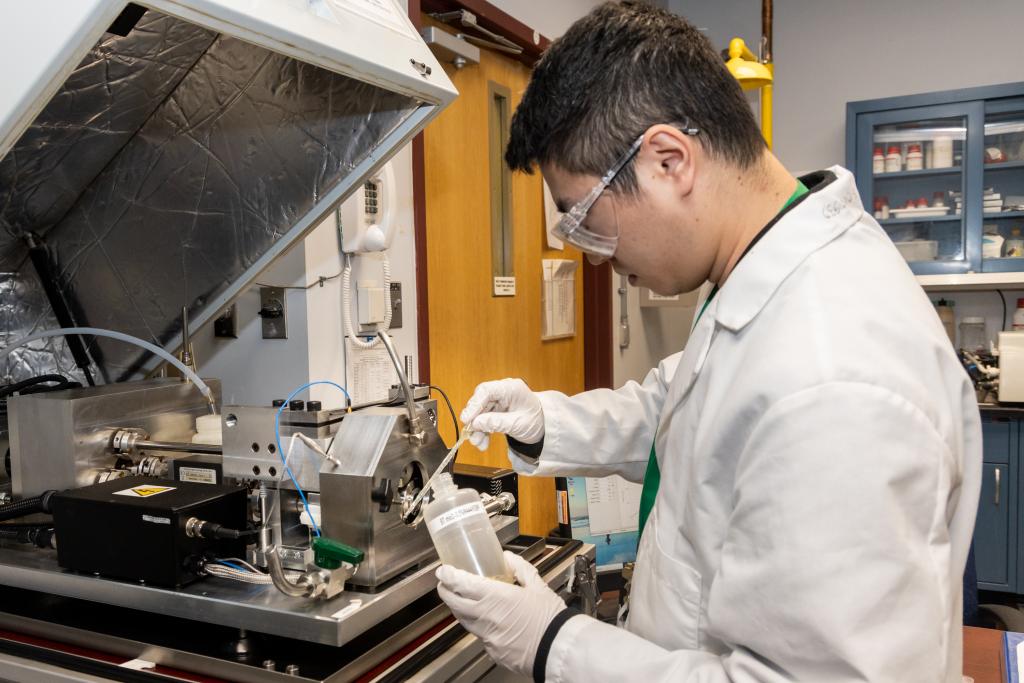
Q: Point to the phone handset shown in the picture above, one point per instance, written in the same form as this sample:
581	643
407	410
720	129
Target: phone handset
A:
367	221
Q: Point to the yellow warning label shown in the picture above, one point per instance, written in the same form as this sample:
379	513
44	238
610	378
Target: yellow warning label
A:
144	491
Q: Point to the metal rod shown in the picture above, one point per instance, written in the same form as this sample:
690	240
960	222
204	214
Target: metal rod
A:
208	449
414	422
766	30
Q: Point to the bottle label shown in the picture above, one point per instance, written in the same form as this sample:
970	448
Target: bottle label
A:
455	515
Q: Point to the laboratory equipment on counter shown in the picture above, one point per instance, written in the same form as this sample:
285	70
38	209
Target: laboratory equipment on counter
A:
1011	367
972	334
136	180
945	310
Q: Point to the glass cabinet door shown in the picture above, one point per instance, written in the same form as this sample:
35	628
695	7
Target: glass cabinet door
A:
1003	187
918	185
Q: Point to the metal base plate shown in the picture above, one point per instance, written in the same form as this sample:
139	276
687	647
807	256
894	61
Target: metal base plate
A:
228	603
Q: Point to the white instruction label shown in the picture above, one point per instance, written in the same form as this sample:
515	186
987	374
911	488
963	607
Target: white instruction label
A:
505	286
199	475
144	491
156	520
454	515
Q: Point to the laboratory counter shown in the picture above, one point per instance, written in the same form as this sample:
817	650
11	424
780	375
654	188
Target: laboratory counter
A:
1013	411
983	655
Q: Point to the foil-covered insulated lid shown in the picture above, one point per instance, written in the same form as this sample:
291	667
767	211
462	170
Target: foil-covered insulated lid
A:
170	167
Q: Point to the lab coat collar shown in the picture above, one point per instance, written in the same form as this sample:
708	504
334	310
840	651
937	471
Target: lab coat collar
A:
827	212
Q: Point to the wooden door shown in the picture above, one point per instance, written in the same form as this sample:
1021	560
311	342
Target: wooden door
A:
474	335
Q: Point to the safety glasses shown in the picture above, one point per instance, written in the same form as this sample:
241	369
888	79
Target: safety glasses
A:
570	226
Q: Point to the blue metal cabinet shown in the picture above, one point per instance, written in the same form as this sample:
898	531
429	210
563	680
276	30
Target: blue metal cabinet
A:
969	146
995	532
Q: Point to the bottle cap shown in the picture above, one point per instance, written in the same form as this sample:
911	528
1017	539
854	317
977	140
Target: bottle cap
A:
444	483
277	402
297	404
893	149
313	406
878	151
972	320
1020	303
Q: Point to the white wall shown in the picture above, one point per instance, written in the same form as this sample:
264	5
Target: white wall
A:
830	52
550	18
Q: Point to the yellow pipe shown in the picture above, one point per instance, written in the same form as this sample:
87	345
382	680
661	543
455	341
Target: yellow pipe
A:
739	49
766	107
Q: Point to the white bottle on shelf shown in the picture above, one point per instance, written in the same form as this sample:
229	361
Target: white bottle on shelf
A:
1018	317
893	160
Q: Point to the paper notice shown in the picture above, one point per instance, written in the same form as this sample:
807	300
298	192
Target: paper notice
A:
613	505
370	373
559	298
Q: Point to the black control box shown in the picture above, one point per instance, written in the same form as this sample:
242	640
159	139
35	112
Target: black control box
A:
134	528
486	479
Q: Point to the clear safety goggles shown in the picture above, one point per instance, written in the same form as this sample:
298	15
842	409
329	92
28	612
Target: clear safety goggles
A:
570	226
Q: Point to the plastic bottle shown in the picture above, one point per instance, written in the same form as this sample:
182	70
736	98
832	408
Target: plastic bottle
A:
1018	317
1013	247
878	161
915	160
893	160
462	531
945	310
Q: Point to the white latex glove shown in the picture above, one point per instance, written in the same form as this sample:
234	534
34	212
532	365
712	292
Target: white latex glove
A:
506	406
509	619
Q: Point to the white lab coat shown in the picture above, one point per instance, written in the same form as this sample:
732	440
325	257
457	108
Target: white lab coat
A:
820	455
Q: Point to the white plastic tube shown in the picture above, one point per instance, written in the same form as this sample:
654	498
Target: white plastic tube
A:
120	336
346	301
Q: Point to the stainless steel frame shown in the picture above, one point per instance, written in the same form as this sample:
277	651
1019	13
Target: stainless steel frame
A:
463	661
62	439
252	607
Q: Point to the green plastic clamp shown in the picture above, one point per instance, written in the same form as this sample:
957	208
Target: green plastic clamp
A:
329	554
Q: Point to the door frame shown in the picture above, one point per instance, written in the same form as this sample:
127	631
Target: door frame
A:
597	280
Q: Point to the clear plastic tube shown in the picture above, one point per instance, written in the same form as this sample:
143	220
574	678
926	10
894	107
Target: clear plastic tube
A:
120	336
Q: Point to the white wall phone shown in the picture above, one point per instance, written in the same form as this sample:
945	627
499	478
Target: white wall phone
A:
367	224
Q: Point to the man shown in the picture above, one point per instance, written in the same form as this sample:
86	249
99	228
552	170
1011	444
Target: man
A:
816	457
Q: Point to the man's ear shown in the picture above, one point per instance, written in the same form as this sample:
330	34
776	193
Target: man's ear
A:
667	155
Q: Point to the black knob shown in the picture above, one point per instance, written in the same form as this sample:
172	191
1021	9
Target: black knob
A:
297	405
382	494
313	406
277	402
272	309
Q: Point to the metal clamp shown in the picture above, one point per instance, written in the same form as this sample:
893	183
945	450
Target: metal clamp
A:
584	584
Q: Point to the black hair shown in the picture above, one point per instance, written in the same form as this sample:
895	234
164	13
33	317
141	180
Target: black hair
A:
624	67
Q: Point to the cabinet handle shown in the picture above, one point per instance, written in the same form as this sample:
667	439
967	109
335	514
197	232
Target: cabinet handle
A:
997	486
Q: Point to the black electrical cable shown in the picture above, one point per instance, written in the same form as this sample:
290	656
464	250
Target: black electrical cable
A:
34	385
28	506
48	279
40	535
1003	298
455	420
204	529
320	280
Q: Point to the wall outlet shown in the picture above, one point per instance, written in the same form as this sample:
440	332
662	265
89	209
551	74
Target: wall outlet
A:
226	325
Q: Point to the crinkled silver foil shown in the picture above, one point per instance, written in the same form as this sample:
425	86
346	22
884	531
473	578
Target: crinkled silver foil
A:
169	162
